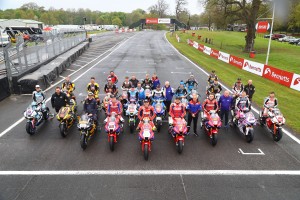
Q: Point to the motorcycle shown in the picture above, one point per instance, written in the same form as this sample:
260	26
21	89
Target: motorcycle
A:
87	128
211	126
146	136
66	117
159	109
112	128
148	92
34	116
274	123
178	131
245	123
131	112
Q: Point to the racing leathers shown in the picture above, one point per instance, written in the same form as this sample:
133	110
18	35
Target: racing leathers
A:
69	87
115	107
146	112
269	103
207	106
147	83
112	87
40	97
214	88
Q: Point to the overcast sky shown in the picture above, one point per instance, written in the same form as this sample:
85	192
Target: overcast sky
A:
102	5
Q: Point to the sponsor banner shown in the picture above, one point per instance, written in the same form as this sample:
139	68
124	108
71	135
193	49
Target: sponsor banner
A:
164	20
195	45
262	27
207	50
224	57
201	47
278	75
151	20
253	67
236	61
296	82
214	53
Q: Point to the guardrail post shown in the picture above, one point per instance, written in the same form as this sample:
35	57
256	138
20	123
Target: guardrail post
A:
8	69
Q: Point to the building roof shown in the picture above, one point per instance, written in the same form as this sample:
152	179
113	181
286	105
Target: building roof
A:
27	21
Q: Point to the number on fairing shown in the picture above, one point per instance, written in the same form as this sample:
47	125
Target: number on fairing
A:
146	133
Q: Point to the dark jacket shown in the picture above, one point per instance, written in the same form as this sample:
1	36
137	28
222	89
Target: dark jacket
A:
134	82
58	101
249	89
169	93
225	103
90	106
194	107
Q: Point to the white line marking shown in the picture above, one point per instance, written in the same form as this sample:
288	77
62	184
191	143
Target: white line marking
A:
124	42
260	152
62	77
182	182
72	70
255	110
180	72
155	172
135	72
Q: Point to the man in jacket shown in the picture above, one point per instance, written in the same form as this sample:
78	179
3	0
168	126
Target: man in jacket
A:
90	106
249	89
225	104
168	93
194	108
59	99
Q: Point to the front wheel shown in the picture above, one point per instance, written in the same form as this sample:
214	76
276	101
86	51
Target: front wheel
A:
111	143
278	135
146	151
131	126
29	128
214	139
63	129
83	141
158	126
250	136
180	146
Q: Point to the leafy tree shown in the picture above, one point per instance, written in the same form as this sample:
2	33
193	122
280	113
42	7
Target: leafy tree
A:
117	21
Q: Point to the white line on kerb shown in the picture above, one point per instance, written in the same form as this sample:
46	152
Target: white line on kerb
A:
259	153
255	110
112	51
154	172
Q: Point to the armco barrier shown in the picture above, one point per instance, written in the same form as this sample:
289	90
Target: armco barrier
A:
282	77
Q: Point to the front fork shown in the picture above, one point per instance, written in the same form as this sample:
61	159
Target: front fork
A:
144	142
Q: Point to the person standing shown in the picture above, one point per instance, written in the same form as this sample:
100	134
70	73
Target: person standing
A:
225	103
168	93
249	89
194	108
155	81
59	99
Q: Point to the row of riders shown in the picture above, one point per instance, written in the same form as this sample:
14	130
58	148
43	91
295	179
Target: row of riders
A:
147	95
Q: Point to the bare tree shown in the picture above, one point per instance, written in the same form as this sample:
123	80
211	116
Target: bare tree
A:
160	8
179	8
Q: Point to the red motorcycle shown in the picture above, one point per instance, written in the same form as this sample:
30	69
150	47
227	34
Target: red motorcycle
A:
211	126
113	129
146	136
179	131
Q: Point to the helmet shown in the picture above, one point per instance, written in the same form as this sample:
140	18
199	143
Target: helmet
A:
112	96
181	82
177	97
146	100
90	94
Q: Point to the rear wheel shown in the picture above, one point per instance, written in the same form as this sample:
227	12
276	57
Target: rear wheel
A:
83	141
250	136
111	143
180	146
29	128
63	129
146	151
278	135
214	139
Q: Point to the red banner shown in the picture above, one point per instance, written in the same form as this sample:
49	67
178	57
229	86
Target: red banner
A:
278	75
214	53
235	61
262	27
201	47
151	20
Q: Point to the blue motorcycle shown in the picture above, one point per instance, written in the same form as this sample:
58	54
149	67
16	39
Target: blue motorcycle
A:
160	111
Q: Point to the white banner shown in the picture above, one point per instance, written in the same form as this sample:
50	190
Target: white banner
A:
195	45
207	50
253	67
296	82
224	57
164	20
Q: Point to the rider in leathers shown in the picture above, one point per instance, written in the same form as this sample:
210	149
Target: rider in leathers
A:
146	111
270	102
241	103
115	106
209	104
132	94
39	96
191	81
177	110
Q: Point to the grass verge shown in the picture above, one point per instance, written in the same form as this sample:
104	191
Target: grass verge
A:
289	99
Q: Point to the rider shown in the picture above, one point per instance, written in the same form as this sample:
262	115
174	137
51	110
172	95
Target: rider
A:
155	81
109	85
134	81
191	82
94	88
237	88
214	88
209	104
39	96
141	93
241	103
115	106
68	86
90	106
177	110
146	111
126	84
113	77
158	93
132	94
181	91
212	77
147	82
270	102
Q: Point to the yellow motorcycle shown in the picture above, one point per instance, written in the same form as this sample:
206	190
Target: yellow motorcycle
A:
67	117
87	128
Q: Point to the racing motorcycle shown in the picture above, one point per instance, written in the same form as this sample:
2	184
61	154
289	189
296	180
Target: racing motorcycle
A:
34	116
245	122
274	123
178	130
112	128
131	112
87	128
159	109
212	125
66	117
146	136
